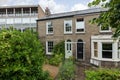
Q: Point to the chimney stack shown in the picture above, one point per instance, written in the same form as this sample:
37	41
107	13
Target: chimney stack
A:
47	11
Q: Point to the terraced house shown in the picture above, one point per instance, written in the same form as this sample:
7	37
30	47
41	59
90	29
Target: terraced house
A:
86	42
20	16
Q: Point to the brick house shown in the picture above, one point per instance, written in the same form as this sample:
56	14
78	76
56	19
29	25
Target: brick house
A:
86	42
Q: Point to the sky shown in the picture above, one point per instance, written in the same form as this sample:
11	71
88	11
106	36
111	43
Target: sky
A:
55	6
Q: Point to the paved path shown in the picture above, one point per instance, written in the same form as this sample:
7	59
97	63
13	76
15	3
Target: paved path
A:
80	70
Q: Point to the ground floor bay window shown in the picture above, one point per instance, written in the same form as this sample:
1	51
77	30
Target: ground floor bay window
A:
107	50
104	48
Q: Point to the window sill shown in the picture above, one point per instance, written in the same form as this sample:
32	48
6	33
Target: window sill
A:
49	54
105	31
68	33
49	33
106	59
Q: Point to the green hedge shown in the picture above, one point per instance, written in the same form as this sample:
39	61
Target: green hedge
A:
103	74
56	59
21	56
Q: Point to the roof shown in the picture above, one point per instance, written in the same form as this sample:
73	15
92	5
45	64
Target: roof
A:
18	6
73	13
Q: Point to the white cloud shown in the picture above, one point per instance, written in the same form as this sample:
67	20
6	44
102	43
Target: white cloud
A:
17	2
79	6
52	5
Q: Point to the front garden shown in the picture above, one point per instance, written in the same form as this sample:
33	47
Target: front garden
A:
57	66
22	58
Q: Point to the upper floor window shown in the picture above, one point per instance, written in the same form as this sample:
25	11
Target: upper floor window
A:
68	26
105	29
80	25
49	28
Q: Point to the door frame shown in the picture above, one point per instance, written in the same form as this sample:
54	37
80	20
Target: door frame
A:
76	49
66	48
83	51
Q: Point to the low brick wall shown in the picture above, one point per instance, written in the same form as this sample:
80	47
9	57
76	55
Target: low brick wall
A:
110	64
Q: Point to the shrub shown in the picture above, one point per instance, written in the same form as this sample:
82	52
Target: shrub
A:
67	71
103	74
56	59
58	54
59	48
21	56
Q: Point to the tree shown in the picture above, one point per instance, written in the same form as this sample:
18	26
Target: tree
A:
21	56
109	18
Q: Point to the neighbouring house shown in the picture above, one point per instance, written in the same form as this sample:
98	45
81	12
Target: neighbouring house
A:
20	17
84	41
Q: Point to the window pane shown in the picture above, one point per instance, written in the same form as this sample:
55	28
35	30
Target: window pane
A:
50	46
106	46
49	27
106	50
80	19
95	45
68	26
104	28
106	54
95	49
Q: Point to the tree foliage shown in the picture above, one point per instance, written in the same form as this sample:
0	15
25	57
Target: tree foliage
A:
21	56
109	18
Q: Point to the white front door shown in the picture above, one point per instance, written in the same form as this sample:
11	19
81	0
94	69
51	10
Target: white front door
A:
68	49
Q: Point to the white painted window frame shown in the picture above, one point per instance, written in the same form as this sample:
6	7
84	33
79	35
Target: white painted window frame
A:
47	27
65	32
48	53
76	27
107	50
104	39
95	49
104	31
